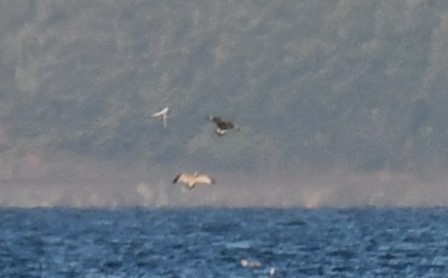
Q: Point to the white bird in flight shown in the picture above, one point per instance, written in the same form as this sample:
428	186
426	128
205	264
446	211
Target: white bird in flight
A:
191	180
162	114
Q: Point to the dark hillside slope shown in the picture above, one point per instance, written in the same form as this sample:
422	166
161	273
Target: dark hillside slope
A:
312	82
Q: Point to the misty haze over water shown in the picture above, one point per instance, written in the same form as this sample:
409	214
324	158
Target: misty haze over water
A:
340	103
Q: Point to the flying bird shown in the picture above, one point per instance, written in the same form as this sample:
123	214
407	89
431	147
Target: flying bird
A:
162	114
222	126
192	180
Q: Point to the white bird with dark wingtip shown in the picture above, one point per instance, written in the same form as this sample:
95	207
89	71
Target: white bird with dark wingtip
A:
162	114
222	126
192	180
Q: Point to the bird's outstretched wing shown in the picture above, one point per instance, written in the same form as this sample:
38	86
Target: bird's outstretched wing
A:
221	123
162	112
203	178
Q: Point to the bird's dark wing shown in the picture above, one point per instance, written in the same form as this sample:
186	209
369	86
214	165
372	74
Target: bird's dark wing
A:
176	178
225	125
216	120
221	123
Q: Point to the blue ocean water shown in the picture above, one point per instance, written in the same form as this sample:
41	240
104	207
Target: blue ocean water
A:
211	242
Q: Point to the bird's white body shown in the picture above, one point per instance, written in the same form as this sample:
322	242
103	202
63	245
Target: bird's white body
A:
220	132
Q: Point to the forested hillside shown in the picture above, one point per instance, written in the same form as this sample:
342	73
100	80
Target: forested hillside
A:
312	82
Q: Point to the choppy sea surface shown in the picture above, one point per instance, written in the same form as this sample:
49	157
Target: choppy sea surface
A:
211	242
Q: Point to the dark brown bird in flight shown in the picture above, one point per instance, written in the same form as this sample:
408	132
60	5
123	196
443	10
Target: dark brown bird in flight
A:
222	126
